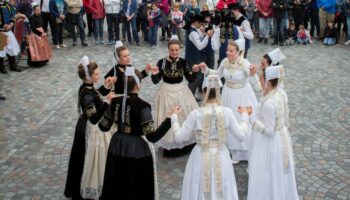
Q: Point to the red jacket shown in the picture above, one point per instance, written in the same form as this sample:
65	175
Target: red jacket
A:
264	6
224	4
87	6
98	10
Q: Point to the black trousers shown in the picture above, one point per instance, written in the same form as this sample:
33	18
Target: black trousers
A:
90	23
49	19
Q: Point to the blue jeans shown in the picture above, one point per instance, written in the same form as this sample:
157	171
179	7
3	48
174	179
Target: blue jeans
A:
74	20
329	41
348	22
132	24
264	27
278	26
98	28
153	34
113	21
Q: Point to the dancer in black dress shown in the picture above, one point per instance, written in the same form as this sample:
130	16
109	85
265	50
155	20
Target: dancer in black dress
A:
91	109
129	170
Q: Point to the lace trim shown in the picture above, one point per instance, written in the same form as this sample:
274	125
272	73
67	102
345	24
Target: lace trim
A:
212	113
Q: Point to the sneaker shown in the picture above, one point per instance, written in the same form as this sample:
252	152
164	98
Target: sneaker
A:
63	45
260	40
84	44
101	42
154	46
162	38
58	47
97	42
311	41
235	162
347	42
110	42
74	43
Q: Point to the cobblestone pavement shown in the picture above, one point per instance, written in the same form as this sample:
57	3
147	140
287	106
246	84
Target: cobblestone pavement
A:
38	119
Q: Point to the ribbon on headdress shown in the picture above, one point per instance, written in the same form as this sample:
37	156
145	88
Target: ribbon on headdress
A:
85	62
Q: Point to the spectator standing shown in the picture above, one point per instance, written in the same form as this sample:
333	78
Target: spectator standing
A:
88	10
347	13
48	19
280	8
58	10
265	18
326	13
98	15
177	21
153	21
165	12
340	18
130	10
113	8
299	11
75	18
315	21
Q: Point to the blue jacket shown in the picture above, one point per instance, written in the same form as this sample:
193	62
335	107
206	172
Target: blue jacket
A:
54	10
133	7
328	5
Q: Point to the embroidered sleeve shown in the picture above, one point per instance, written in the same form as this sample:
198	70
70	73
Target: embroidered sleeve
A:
109	117
92	113
152	133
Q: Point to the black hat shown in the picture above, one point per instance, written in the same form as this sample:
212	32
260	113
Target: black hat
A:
233	6
197	18
206	13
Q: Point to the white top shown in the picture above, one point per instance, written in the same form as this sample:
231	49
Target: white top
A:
215	41
194	125
112	6
45	6
196	37
246	29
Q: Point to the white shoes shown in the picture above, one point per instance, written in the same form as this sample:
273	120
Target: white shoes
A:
347	43
235	162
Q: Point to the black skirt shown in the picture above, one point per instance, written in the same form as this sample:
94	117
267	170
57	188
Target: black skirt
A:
129	171
76	161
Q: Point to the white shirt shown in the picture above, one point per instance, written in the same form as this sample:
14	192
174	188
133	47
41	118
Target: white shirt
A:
112	6
196	37
45	6
246	29
216	43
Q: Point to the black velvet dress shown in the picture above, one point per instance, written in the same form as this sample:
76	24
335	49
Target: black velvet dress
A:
129	173
93	109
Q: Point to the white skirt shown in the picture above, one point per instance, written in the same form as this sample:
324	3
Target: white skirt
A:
192	188
169	96
97	143
12	48
268	179
232	98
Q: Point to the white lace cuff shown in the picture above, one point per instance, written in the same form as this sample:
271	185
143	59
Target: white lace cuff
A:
258	126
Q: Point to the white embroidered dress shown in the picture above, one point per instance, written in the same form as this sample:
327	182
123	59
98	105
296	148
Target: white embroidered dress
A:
237	91
271	167
209	172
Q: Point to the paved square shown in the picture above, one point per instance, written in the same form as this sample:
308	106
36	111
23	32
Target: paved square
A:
37	122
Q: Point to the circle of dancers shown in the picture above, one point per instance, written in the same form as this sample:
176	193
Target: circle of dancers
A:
113	156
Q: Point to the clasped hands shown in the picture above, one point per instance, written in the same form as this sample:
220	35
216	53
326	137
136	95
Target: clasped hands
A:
245	109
